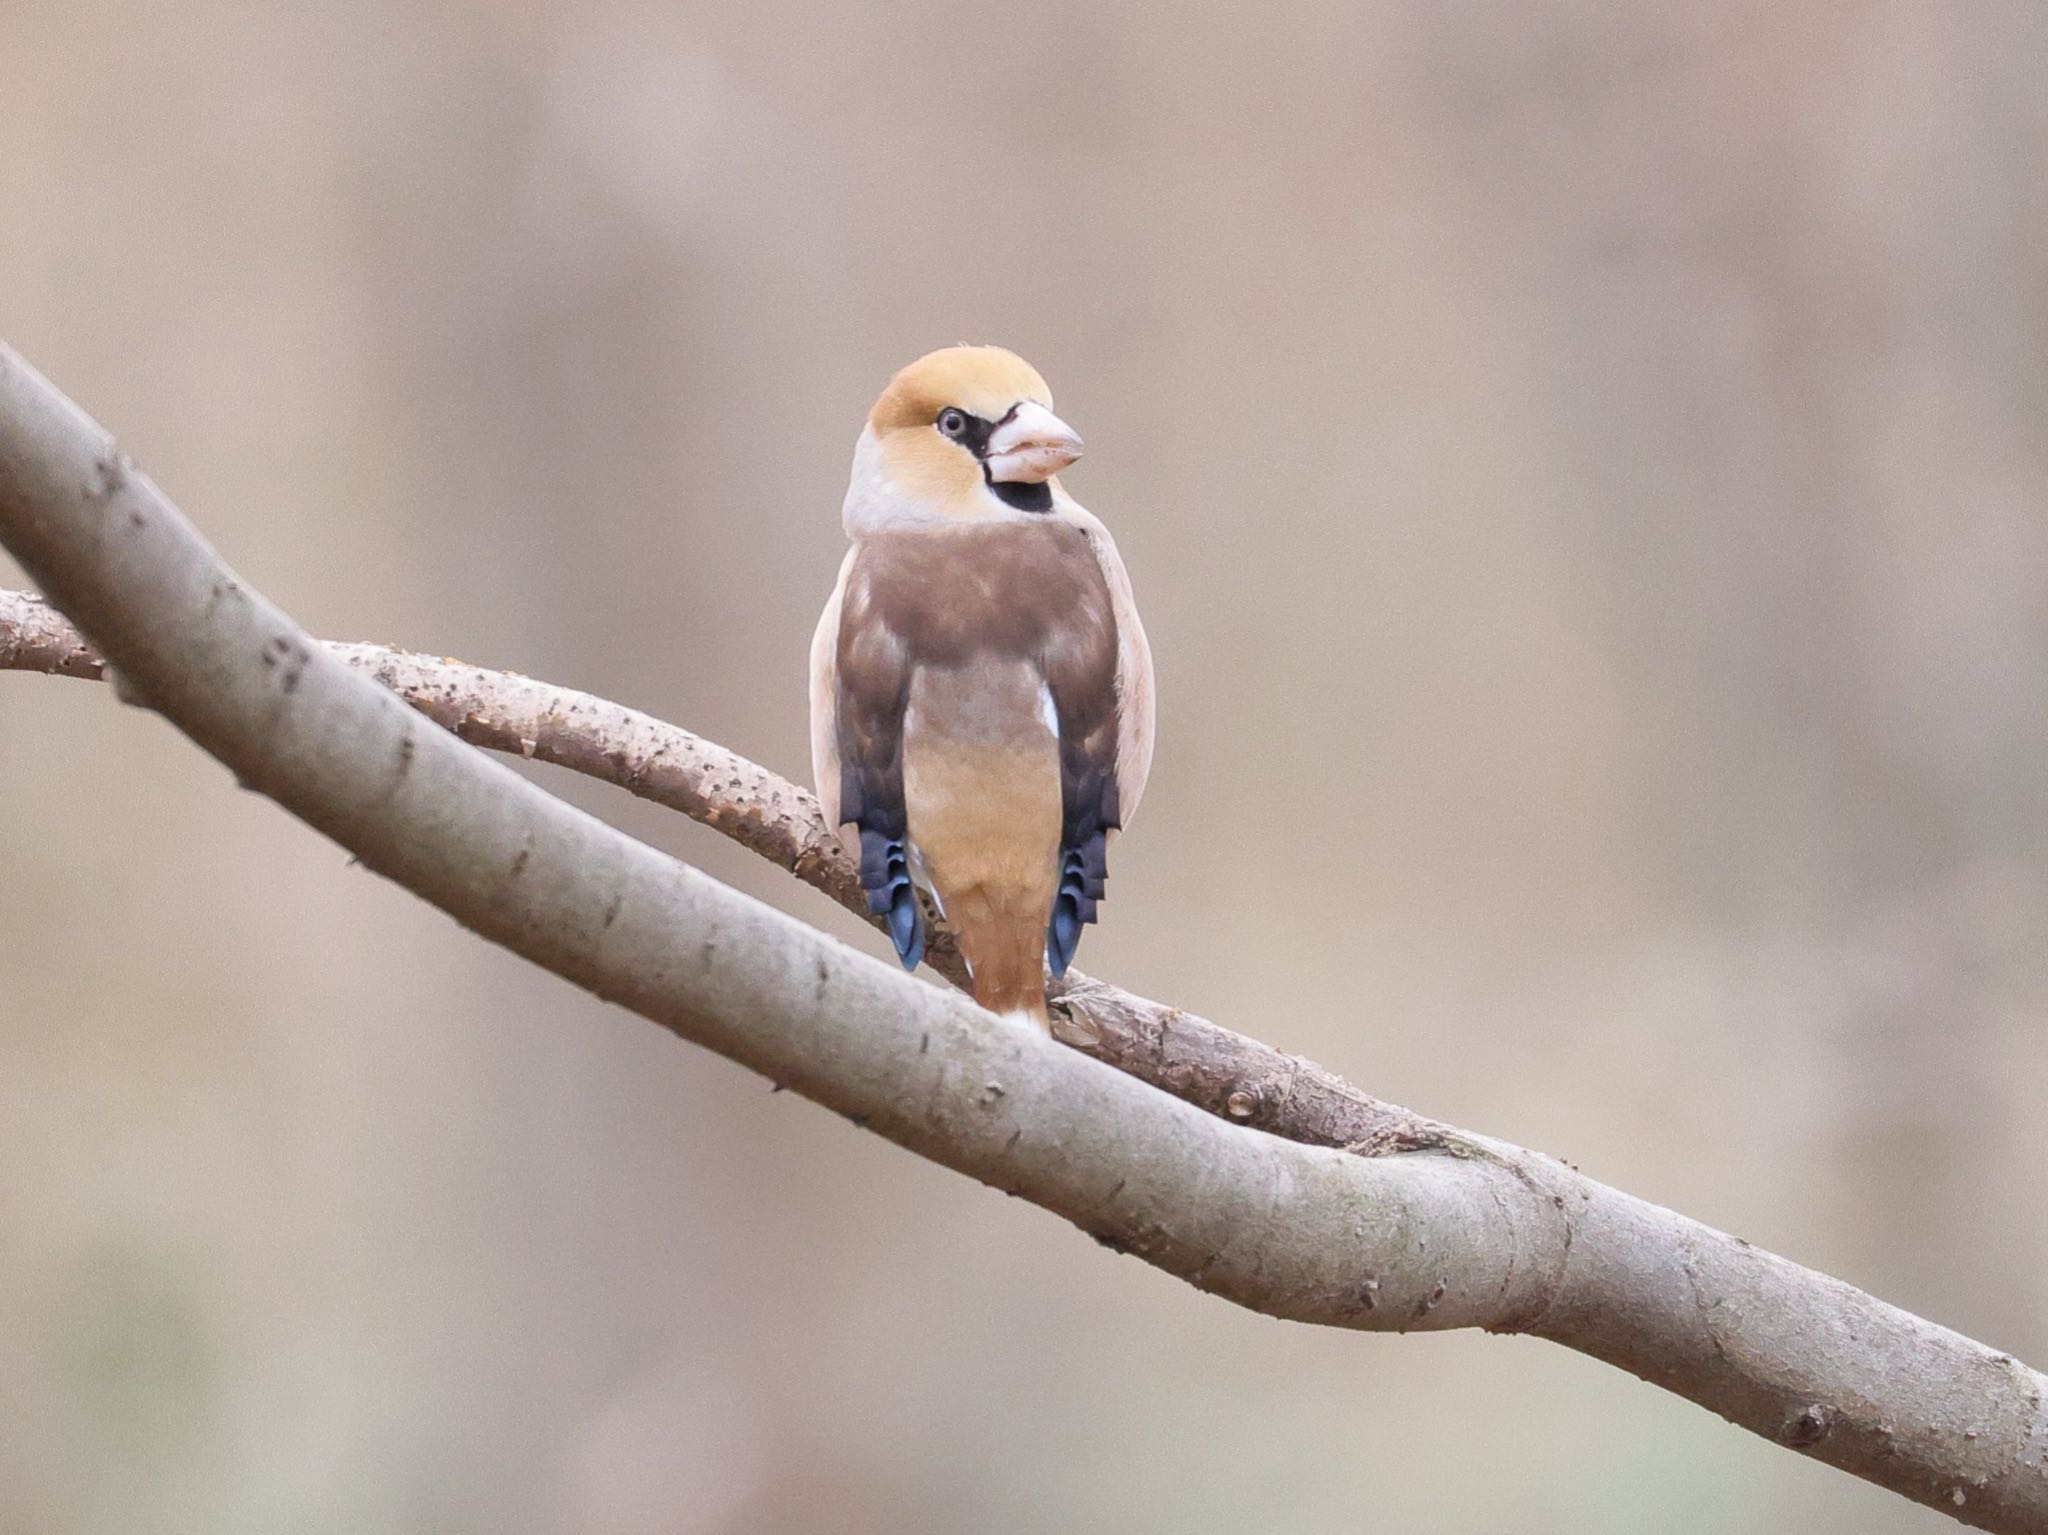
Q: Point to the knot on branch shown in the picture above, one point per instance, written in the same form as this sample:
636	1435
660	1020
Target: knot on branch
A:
1808	1426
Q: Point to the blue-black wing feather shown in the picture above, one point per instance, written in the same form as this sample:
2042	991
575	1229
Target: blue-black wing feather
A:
1089	812
870	731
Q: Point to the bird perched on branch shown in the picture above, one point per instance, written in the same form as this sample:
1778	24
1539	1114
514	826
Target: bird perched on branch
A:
981	688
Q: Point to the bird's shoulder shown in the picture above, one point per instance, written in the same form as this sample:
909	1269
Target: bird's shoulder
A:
951	594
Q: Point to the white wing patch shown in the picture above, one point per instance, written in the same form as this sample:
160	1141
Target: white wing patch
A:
825	706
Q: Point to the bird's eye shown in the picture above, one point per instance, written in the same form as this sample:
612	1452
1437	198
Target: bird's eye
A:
953	423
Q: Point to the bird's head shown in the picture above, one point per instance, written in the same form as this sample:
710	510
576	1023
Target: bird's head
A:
964	434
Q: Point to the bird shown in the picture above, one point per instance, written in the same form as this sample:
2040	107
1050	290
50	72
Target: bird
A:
981	687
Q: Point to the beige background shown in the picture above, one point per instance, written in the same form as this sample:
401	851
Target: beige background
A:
1584	470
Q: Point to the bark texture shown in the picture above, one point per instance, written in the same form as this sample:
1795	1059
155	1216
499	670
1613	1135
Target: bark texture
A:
1435	1229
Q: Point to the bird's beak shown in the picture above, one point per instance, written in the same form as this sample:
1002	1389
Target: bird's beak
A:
1032	445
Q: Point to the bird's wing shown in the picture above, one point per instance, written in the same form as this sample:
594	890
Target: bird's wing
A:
1103	695
1134	691
825	700
863	667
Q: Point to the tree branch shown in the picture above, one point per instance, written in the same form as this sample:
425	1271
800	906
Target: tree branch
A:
1461	1232
1186	1055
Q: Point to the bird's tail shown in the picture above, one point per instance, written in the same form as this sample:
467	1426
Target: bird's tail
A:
1005	950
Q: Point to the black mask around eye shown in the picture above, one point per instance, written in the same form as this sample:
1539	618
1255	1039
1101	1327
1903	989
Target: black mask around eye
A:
965	428
972	433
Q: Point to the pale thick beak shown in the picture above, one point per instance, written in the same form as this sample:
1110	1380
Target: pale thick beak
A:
1031	445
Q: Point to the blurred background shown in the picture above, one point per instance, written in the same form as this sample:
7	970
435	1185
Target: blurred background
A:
1583	470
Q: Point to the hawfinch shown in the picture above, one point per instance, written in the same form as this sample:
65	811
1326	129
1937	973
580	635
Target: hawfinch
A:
981	688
